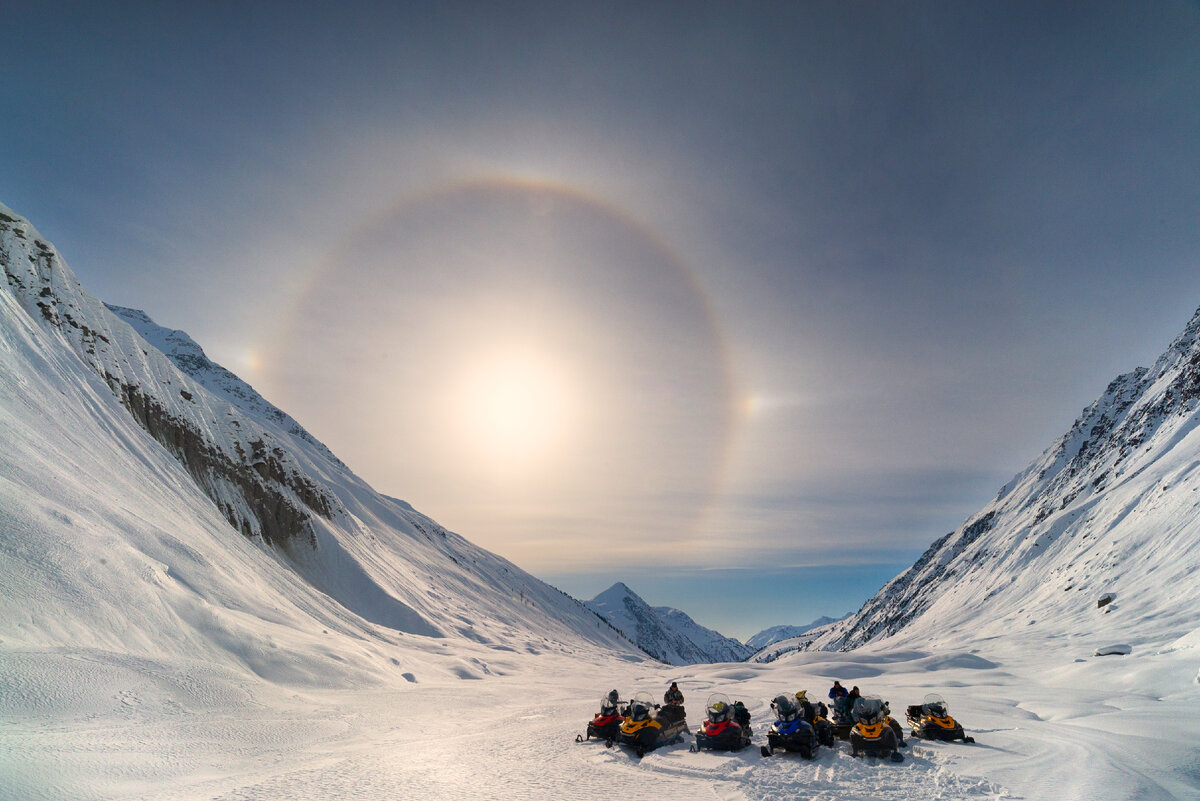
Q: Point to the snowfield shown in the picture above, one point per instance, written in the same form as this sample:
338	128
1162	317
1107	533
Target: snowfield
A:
89	725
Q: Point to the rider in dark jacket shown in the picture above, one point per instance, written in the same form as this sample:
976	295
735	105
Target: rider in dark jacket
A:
673	695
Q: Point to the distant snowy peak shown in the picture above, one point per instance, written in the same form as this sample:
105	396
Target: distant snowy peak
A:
1112	503
669	635
777	633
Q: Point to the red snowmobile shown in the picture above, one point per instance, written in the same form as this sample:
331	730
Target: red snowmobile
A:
726	726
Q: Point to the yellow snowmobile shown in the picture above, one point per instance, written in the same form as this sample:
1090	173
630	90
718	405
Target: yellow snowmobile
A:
931	721
871	734
647	725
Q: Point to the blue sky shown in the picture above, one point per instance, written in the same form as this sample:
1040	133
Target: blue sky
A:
623	290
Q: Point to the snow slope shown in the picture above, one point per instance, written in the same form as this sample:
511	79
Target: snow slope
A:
1111	508
667	634
774	634
181	505
169	631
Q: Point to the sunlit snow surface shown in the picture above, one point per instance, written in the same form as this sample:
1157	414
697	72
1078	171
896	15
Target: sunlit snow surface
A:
149	651
89	725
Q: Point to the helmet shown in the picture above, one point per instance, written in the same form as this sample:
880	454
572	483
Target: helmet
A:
718	707
802	695
785	708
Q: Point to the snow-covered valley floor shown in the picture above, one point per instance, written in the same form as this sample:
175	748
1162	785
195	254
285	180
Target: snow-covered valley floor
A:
83	725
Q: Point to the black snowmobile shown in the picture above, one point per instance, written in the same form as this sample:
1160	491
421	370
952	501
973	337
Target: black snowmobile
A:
817	717
645	729
726	726
931	721
871	734
843	717
790	731
605	724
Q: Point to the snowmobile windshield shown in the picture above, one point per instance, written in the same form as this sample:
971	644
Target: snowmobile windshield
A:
608	706
785	708
868	710
640	706
718	707
935	705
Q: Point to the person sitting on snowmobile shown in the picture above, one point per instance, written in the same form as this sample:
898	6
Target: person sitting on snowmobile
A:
837	691
843	704
673	695
614	699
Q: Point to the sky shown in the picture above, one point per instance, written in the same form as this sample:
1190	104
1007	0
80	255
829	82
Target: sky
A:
741	304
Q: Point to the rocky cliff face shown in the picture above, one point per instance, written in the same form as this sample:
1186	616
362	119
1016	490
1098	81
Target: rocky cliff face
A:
1111	504
239	464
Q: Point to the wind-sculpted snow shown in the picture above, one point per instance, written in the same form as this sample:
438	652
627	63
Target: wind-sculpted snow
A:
1113	503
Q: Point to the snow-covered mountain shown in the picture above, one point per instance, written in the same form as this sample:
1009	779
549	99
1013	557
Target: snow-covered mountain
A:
667	634
1098	539
153	503
198	601
774	634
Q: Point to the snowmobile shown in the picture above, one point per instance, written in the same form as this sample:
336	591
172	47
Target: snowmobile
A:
816	714
645	729
871	734
726	726
843	718
790	731
605	724
931	721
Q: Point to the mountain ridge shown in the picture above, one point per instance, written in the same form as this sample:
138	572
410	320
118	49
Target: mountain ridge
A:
1108	508
667	634
204	494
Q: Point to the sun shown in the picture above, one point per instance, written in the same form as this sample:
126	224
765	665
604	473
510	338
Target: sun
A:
513	407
